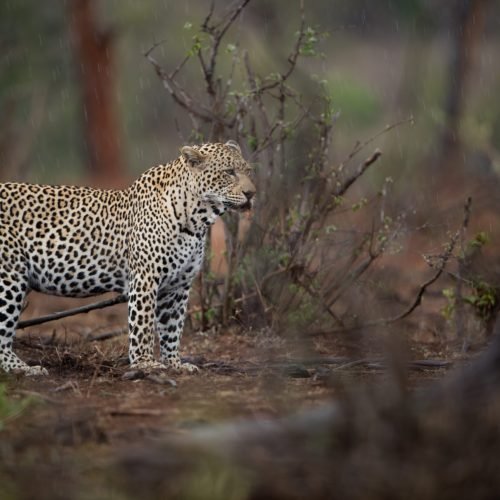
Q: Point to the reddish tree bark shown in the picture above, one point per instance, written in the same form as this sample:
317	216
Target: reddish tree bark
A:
468	23
94	56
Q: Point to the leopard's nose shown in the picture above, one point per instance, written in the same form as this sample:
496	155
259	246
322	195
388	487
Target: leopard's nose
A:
249	194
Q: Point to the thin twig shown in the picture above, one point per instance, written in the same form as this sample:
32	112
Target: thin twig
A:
43	397
217	35
179	94
318	217
292	58
358	173
359	146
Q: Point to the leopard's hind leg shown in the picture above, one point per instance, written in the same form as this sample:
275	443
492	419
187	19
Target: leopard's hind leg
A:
13	288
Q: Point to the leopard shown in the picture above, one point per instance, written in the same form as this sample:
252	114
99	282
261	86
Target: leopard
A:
146	241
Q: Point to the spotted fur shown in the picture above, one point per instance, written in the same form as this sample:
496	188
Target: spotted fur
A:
146	241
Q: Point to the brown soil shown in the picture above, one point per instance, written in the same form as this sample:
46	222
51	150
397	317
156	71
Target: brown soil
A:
76	431
91	395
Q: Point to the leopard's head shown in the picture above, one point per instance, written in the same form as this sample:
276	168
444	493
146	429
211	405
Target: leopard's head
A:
221	174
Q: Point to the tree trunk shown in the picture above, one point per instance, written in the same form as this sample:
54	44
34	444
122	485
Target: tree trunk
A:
94	56
468	21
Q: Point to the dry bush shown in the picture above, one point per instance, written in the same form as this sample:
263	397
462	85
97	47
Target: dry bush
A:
301	256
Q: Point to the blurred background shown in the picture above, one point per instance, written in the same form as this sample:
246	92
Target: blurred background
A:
435	61
374	132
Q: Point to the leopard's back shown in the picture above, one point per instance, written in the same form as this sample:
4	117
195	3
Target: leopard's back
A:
67	240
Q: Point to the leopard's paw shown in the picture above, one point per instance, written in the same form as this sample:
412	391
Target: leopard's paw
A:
148	365
31	371
189	368
181	367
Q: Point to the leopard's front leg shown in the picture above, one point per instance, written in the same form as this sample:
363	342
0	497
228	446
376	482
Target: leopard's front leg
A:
170	313
141	322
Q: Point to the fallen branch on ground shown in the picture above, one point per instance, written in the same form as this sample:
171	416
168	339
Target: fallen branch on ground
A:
119	299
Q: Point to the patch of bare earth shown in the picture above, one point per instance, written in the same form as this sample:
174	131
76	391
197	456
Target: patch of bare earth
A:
92	396
92	416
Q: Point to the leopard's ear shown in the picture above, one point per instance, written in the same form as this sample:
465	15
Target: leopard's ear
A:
192	156
234	145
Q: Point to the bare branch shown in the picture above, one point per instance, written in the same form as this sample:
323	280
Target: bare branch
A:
353	277
359	146
347	183
217	33
292	58
119	299
204	25
180	96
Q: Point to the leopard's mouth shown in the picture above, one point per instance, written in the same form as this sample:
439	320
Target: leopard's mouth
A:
246	206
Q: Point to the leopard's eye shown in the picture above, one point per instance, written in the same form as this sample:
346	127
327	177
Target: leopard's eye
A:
231	171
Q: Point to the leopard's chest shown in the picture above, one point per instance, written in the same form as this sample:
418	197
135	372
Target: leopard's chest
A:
182	259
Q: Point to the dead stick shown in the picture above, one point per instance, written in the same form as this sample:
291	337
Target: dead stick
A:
120	299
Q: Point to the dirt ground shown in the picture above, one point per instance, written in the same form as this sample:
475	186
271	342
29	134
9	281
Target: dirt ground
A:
92	396
94	428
